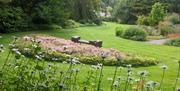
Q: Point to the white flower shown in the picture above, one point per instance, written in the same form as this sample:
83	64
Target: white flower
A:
178	88
34	46
14	49
1	46
18	53
27	38
116	83
129	66
1	50
76	70
12	45
96	67
120	68
130	79
64	62
143	73
55	59
164	67
0	37
27	49
74	61
38	57
109	79
99	64
178	79
149	84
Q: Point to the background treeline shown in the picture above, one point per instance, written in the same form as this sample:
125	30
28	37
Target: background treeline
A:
16	15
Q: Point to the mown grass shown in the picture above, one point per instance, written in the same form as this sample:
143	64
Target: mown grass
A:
165	54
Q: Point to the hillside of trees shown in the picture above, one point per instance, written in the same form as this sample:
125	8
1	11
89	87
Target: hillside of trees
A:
20	15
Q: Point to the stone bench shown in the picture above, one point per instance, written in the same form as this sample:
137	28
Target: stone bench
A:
83	41
75	39
96	43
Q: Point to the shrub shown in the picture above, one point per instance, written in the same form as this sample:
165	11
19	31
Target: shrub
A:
167	27
139	61
135	33
167	30
71	24
119	31
174	18
97	21
142	20
152	31
174	42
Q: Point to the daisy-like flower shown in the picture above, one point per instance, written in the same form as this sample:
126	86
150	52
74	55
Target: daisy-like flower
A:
26	49
178	88
73	61
12	45
143	73
129	66
116	83
120	68
38	57
76	70
64	62
1	48
55	59
109	79
27	38
164	67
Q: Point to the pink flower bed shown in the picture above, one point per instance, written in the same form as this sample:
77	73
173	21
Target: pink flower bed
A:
69	47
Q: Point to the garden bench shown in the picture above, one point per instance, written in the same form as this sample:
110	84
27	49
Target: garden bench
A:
83	41
96	43
75	39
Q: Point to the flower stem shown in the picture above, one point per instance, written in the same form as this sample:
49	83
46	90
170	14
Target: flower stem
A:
178	73
162	79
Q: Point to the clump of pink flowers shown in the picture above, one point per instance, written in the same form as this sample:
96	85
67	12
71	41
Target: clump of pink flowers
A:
69	47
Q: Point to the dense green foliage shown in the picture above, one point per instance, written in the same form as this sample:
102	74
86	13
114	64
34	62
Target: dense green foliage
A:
17	14
133	33
174	42
157	14
12	19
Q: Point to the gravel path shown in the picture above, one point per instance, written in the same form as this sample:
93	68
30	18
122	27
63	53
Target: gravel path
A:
159	42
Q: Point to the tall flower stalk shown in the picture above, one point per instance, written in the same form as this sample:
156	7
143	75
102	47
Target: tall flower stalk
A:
101	72
177	78
115	72
164	67
129	71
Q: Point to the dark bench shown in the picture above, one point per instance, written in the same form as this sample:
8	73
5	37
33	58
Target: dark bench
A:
75	39
96	43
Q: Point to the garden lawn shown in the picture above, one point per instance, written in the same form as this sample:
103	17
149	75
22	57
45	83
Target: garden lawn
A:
165	54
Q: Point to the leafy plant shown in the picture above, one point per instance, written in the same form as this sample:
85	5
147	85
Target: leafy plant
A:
174	42
133	33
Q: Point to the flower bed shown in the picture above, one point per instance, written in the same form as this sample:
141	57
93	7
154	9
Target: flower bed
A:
64	49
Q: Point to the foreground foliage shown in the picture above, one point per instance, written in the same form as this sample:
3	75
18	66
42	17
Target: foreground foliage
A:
36	74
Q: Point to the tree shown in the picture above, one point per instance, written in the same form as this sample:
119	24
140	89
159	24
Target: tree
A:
85	10
157	14
123	12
